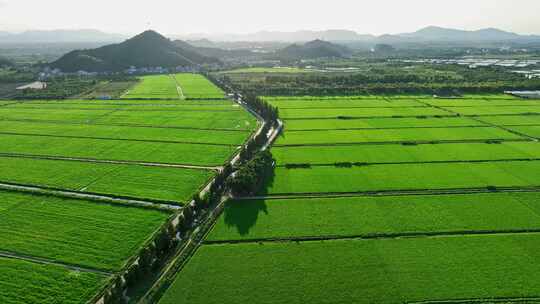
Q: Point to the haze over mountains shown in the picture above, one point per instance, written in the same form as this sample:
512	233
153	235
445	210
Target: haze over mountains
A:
60	36
431	33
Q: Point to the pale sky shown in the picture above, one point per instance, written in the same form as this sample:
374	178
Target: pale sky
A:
243	16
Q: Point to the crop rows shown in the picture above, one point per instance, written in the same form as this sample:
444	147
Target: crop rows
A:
355	211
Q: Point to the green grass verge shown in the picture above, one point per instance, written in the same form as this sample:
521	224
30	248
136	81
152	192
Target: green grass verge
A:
23	282
362	271
78	232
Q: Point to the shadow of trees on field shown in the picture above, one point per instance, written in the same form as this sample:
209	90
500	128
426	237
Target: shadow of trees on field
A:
243	214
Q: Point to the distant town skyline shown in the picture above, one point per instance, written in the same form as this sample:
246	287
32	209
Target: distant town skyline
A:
243	16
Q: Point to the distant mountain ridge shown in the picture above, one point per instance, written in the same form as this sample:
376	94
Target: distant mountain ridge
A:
60	36
148	49
430	33
435	33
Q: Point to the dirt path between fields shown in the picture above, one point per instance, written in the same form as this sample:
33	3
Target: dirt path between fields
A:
87	196
39	260
116	162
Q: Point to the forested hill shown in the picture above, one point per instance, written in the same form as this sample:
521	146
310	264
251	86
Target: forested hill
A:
314	49
148	49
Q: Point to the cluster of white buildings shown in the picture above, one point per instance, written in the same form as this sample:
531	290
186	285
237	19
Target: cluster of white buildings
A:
481	62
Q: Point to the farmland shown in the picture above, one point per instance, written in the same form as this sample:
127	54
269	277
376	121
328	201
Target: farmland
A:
93	183
371	216
383	199
154	87
24	282
362	271
77	232
380	154
195	86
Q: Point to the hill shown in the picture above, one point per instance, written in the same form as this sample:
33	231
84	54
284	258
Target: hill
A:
148	49
314	49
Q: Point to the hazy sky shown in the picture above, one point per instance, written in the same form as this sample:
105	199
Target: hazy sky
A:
241	16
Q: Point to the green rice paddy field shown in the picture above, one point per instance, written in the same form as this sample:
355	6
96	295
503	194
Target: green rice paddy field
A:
154	87
198	87
311	238
369	216
321	137
362	271
77	232
378	123
367	154
23	282
157	183
405	177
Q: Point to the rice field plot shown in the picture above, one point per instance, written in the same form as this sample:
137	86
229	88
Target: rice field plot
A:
125	133
360	112
233	120
379	123
77	232
376	216
117	150
391	135
513	120
23	282
306	103
495	110
129	102
154	87
362	271
154	183
133	105
533	131
404	177
368	154
198	87
46	114
480	102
